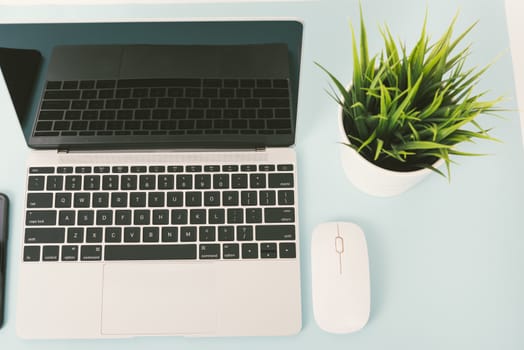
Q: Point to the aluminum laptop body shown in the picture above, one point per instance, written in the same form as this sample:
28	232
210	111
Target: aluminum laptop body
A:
198	173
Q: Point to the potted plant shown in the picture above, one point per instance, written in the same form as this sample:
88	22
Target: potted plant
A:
404	113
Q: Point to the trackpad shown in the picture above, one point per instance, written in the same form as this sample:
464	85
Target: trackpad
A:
159	298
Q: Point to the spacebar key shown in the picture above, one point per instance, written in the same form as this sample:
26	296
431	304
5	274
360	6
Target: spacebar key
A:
150	252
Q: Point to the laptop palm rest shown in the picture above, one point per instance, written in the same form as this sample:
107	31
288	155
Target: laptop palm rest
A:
159	298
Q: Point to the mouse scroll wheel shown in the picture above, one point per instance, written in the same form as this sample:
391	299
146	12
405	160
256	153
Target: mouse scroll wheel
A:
339	245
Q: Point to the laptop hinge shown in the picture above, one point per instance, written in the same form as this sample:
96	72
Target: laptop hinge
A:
62	150
260	149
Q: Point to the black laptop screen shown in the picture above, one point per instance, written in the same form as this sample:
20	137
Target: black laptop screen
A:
230	84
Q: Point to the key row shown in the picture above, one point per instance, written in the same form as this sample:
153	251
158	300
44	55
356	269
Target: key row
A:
143	217
37	200
161	182
160	168
286	250
155	234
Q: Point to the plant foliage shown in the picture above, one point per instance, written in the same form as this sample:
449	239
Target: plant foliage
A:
404	111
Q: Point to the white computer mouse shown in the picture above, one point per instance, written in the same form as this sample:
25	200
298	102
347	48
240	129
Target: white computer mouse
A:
340	277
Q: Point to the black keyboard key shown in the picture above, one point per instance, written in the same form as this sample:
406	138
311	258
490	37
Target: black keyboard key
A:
55	183
150	234
275	232
83	170
249	251
244	233
175	169
226	233
104	217
194	168
75	235
275	215
36	183
203	181
207	234
94	235
91	182
286	197
268	250
50	253
32	253
62	200
142	217
86	217
55	104
113	235
102	169
119	169
169	234
151	252
138	169
188	234
230	251
156	199
287	250
184	182
248	198
257	180
235	216
220	181
41	170
284	180
160	217
209	251
253	215
147	182
239	180
73	183
267	198
82	200
118	199
131	234
175	199
229	168
69	253
123	217
197	216
64	170
230	198
166	182
39	200
275	103
63	94
179	217
110	182
212	199
91	252
66	218
193	199
45	235
106	84
217	216
54	85
129	182
101	200
40	218
137	199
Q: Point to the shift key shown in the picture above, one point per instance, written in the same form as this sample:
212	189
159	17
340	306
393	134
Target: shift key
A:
44	235
273	215
40	218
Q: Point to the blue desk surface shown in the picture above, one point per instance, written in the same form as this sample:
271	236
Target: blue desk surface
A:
446	258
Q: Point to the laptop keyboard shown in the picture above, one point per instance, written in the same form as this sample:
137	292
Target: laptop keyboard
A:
193	212
165	107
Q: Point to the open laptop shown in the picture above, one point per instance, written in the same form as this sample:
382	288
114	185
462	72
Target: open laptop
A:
161	188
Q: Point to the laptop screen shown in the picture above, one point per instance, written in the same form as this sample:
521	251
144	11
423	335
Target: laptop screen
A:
156	93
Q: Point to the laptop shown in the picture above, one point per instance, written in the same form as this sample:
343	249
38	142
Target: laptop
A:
161	193
514	11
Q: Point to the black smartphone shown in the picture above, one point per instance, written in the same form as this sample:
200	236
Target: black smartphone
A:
3	252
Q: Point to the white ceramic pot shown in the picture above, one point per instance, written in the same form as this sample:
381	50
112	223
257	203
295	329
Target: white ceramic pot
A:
372	179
